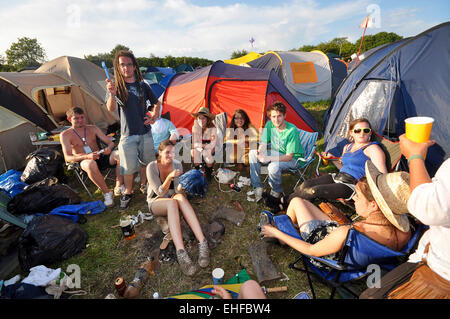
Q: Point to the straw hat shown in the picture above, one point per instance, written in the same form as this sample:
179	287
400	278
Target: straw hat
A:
391	192
204	111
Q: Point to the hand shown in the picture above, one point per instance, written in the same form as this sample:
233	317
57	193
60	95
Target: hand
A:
148	120
111	87
175	173
268	231
410	148
263	158
221	292
93	156
106	151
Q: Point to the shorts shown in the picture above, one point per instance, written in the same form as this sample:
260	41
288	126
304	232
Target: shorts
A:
134	151
103	162
308	228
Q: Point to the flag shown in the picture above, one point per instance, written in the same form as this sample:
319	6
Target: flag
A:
368	21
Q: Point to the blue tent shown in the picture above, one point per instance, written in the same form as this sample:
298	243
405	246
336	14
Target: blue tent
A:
157	89
407	78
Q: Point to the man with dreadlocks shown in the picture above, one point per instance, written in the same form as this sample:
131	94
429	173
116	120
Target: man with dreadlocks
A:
135	99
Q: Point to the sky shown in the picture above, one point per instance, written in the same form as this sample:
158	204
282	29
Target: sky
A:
205	28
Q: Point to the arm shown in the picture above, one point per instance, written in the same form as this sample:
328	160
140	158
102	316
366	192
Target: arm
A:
105	139
111	103
377	156
67	151
418	173
332	243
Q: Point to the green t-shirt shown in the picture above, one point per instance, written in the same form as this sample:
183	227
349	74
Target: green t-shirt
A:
286	141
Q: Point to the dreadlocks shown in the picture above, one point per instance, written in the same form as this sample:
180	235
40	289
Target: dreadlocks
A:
121	88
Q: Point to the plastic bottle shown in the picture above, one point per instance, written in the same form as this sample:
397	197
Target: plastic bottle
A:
140	277
127	226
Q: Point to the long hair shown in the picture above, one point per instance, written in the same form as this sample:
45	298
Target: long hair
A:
121	87
244	116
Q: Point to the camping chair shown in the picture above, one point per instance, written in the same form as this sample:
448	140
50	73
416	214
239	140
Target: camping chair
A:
358	252
308	141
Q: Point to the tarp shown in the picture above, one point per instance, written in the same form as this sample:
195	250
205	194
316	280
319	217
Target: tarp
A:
308	75
224	88
406	78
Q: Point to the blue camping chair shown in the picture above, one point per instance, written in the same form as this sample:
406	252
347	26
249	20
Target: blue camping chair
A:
358	252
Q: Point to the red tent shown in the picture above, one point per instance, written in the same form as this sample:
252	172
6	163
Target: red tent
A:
224	88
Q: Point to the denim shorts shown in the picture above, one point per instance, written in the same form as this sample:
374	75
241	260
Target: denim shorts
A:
134	151
309	227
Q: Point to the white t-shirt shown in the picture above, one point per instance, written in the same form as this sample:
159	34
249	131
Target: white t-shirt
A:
430	203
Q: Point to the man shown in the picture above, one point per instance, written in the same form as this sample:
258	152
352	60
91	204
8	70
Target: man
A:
79	144
135	98
285	150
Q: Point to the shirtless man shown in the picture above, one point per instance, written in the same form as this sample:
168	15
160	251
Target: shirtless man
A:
79	144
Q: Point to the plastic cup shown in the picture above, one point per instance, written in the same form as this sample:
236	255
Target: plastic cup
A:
217	275
418	128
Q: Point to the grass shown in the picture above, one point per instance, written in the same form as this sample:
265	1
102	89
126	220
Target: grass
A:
108	256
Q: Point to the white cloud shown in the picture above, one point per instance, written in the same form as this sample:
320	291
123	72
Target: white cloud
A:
178	27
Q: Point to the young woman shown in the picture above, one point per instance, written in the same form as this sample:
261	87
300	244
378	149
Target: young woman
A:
351	166
204	140
241	136
373	199
164	198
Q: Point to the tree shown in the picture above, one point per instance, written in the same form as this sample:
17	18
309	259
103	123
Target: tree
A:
237	54
25	52
108	58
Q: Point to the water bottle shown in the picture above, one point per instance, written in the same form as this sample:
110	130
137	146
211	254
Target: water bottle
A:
140	277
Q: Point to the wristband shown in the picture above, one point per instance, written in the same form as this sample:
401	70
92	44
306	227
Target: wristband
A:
415	156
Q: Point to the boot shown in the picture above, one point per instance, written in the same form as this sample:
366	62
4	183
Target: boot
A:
203	254
187	266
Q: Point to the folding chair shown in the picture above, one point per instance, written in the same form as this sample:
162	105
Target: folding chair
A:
308	141
391	150
81	175
358	252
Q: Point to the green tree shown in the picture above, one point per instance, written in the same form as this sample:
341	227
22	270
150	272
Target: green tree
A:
25	52
108	57
238	53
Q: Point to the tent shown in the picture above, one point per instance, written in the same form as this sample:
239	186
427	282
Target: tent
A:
243	60
184	68
310	76
90	94
224	88
406	78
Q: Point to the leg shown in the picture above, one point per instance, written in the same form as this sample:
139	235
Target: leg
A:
301	211
190	216
91	168
251	290
169	207
196	157
255	169
129	163
114	159
146	154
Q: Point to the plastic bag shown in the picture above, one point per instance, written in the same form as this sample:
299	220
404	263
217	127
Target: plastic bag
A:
42	197
194	183
11	184
43	163
49	239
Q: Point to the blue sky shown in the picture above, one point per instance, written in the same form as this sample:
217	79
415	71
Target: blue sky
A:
204	28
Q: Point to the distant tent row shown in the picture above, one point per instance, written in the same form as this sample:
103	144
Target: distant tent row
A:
310	76
225	87
406	78
34	102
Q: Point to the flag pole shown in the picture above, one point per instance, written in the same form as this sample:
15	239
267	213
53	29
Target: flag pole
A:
362	39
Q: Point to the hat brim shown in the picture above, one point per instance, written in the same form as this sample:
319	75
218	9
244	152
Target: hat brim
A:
399	221
209	115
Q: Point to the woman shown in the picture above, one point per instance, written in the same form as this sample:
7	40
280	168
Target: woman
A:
204	140
351	166
241	136
164	198
373	199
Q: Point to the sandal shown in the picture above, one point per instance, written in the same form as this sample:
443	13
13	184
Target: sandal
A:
166	240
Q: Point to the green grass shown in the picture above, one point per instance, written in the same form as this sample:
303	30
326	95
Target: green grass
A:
108	256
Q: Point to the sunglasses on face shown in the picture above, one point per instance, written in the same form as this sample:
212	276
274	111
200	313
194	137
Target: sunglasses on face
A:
364	130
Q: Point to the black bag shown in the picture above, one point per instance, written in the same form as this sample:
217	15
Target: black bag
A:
42	163
43	197
49	239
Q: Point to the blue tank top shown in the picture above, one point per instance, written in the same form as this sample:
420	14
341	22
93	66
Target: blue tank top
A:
353	162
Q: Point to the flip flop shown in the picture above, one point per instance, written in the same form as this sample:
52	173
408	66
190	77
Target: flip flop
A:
166	240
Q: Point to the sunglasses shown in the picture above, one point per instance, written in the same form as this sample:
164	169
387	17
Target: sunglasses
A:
364	130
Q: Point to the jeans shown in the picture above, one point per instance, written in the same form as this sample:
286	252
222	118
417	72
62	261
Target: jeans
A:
274	170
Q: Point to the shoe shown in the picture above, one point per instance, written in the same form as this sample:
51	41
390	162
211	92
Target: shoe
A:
119	190
109	199
143	188
187	266
124	201
258	193
166	241
203	254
